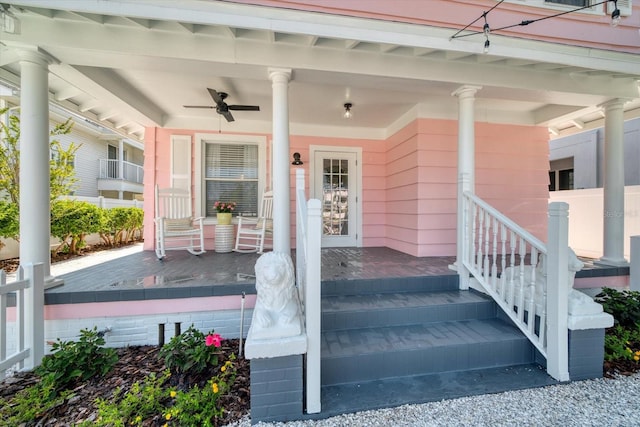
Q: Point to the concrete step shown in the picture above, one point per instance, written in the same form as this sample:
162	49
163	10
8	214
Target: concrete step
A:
366	354
406	308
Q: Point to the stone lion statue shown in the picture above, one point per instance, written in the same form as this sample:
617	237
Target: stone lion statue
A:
277	310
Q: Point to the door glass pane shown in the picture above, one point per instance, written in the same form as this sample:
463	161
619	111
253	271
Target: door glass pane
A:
335	201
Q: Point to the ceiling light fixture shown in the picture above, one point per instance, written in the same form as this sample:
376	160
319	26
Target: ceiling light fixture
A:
347	110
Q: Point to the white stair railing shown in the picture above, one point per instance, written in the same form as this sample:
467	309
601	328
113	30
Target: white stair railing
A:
29	318
510	264
308	258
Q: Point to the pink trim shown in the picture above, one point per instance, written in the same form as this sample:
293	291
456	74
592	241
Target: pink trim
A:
601	282
138	308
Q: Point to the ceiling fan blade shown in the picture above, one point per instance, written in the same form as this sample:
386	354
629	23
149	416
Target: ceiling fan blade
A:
227	115
244	107
216	96
199	106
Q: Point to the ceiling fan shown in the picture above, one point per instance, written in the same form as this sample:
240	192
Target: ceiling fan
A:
222	108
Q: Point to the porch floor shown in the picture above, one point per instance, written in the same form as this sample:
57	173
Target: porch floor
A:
141	275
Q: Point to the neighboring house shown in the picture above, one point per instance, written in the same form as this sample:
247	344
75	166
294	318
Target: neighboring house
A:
97	163
577	176
577	161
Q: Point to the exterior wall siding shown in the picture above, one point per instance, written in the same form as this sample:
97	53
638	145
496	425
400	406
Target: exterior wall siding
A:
409	181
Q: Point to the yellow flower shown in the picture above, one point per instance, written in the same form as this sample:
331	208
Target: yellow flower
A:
214	387
638	353
138	418
223	368
168	416
173	393
636	358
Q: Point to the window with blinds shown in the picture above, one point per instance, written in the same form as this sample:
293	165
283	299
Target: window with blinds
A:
231	175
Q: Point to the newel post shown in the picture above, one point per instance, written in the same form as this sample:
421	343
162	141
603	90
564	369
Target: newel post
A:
463	230
34	313
557	298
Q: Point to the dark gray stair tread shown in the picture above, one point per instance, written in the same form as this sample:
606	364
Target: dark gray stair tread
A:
358	342
354	397
399	300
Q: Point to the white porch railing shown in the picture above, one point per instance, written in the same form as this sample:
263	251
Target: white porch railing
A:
308	235
532	287
29	318
110	169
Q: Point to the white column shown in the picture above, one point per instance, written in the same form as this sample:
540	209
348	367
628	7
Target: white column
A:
613	221
121	166
466	167
35	227
280	160
557	297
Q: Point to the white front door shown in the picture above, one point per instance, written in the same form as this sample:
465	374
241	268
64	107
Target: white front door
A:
335	184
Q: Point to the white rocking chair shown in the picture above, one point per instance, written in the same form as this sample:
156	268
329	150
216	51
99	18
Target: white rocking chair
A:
252	231
176	229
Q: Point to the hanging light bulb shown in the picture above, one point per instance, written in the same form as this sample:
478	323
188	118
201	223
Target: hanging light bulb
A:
615	15
486	46
347	110
486	29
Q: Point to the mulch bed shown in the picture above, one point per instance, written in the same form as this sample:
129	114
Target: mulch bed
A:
134	364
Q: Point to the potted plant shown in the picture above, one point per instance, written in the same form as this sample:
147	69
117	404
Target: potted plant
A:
224	210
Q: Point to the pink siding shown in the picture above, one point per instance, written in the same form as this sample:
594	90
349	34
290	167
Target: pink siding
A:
409	181
579	29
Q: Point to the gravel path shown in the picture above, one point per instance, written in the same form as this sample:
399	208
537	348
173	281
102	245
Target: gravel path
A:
601	402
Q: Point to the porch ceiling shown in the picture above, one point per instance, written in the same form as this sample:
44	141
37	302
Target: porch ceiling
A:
139	67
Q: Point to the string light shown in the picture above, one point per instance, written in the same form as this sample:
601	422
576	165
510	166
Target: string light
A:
486	30
615	15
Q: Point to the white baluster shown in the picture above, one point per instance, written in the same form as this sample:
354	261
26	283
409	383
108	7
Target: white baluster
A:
480	238
494	266
531	318
485	265
503	259
512	264
523	254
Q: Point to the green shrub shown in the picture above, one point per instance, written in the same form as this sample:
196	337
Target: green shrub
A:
191	351
31	403
120	225
624	306
74	361
71	221
199	406
135	406
9	220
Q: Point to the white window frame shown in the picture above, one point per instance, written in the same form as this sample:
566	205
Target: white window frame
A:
204	138
594	10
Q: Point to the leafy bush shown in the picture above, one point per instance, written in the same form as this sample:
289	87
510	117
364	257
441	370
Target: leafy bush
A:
71	221
30	403
135	406
9	220
120	225
199	406
624	306
622	344
73	361
191	351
